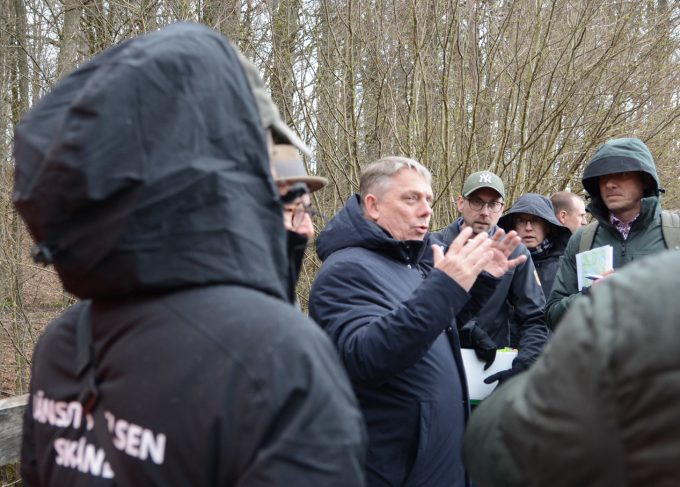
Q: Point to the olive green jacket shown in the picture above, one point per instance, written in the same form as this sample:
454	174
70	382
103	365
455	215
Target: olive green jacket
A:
600	406
645	238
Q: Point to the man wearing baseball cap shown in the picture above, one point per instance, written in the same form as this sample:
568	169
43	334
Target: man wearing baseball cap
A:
481	204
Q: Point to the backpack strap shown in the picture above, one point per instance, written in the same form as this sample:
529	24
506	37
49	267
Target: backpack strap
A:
587	236
670	227
86	368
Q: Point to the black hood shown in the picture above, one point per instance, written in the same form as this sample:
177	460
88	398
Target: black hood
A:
146	170
350	228
540	206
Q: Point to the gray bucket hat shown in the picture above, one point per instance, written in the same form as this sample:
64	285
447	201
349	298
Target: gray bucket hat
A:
269	113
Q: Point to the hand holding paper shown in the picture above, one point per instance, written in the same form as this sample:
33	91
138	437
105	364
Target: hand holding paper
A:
593	265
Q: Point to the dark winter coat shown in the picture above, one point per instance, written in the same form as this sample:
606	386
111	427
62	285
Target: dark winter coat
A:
518	294
645	237
600	405
547	260
144	177
392	319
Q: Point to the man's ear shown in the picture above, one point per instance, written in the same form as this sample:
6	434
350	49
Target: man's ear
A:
561	216
459	203
371	207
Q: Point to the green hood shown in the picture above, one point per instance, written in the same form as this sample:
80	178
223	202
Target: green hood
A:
620	155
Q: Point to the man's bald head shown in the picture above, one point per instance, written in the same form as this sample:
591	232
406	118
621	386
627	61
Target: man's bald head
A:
570	210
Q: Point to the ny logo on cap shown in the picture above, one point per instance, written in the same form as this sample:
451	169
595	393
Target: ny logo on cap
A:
485	177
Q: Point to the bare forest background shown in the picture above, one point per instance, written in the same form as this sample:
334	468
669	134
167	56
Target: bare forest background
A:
525	88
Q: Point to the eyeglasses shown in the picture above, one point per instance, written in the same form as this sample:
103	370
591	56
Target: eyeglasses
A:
523	222
295	213
477	204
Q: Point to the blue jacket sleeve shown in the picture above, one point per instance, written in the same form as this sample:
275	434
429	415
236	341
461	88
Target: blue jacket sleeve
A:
376	335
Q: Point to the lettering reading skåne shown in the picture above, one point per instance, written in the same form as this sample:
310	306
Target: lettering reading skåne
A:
130	438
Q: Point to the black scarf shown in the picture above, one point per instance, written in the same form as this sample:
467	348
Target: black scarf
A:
296	245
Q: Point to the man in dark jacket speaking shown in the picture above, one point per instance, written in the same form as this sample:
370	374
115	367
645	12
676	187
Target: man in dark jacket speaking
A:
392	318
144	178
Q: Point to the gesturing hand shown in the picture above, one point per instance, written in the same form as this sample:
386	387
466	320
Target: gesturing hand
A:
502	247
465	258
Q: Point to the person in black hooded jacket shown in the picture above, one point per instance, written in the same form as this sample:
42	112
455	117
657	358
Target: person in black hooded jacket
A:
144	178
517	301
392	316
533	218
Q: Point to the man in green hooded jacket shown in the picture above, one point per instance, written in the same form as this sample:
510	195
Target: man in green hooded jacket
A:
624	190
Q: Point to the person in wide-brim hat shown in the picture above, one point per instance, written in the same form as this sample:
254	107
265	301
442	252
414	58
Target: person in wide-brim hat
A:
289	168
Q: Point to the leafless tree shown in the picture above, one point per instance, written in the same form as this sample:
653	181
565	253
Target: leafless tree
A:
525	88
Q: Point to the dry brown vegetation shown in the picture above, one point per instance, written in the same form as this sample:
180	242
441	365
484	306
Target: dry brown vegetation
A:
527	89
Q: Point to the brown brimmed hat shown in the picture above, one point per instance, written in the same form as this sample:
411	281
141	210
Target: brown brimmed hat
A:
290	168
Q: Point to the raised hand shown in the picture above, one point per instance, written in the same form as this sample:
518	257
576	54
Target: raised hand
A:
502	247
466	257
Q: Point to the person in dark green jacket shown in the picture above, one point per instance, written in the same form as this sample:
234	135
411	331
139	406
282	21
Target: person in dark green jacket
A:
624	190
599	407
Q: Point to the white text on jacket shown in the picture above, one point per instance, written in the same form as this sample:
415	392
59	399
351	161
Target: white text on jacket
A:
130	438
